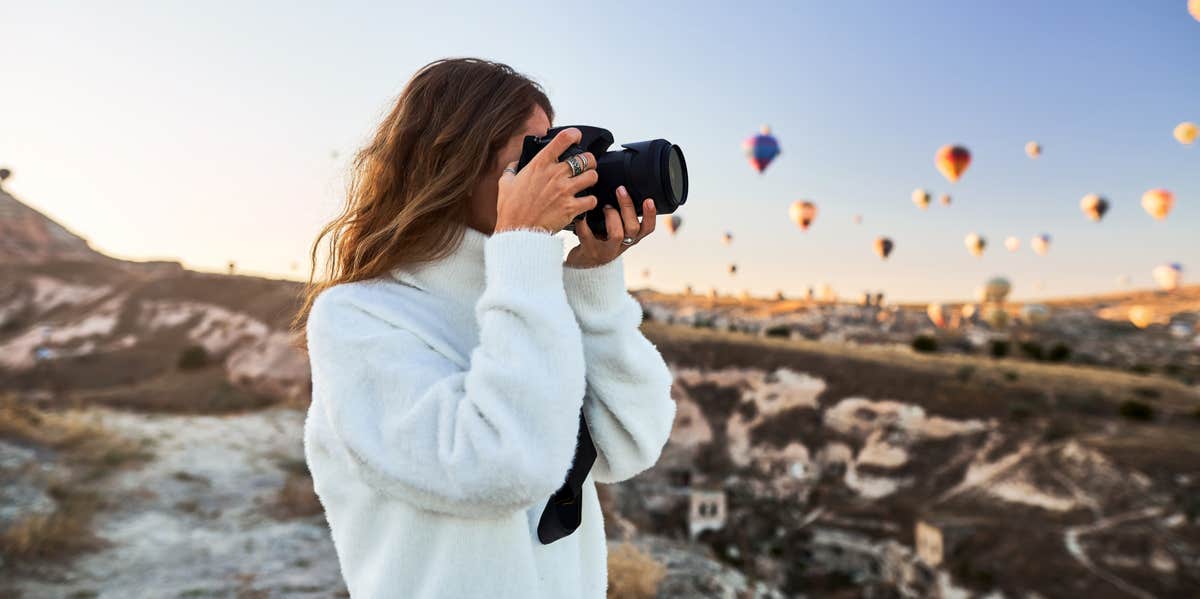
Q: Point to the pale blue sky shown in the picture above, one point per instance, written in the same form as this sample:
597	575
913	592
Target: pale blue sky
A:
205	131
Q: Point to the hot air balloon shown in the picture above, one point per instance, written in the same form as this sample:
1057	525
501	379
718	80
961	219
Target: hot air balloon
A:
1194	8
1040	244
945	199
779	297
883	247
1185	133
975	244
920	197
1035	314
1158	202
733	269
711	293
802	212
1168	276
858	219
1141	316
761	149
952	161
727	238
996	290
673	223
1094	206
1012	243
939	315
995	316
810	294
1033	149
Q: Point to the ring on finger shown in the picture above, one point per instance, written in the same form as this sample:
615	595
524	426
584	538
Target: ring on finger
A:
628	241
576	167
583	160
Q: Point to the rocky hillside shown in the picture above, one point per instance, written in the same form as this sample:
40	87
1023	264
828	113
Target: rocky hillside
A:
76	322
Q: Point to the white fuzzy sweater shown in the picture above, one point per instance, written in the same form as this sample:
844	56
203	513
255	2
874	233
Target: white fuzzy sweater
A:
445	409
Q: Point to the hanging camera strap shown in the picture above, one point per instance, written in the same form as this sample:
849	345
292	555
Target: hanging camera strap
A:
564	511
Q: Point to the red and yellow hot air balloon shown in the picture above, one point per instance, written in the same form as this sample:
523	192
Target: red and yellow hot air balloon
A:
1033	149
803	213
883	247
920	197
1158	203
952	161
761	149
1094	206
1185	133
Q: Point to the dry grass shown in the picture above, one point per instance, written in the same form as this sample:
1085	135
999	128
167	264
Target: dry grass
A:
633	573
88	453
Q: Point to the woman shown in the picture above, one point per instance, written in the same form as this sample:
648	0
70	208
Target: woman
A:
452	350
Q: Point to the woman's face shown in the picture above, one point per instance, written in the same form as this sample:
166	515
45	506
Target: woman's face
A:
482	215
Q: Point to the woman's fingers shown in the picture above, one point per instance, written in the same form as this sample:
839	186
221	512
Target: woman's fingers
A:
585	180
628	214
548	156
649	218
584	232
613	226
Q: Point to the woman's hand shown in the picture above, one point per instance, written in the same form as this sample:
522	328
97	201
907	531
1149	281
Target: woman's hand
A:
619	224
542	195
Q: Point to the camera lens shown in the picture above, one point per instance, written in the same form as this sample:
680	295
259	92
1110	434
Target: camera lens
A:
676	176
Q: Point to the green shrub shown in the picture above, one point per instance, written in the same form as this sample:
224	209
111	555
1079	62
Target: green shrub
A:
193	357
1059	352
1000	348
924	344
1033	350
1136	410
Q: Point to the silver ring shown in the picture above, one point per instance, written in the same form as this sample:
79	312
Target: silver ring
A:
583	160
576	168
628	241
510	170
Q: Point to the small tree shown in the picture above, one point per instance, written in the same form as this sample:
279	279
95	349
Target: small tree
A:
193	357
924	344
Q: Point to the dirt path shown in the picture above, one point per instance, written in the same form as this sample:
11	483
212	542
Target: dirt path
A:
194	522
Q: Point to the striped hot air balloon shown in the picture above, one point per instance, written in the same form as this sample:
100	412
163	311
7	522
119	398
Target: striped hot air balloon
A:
952	161
761	149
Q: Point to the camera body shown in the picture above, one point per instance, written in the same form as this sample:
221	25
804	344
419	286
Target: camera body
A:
648	169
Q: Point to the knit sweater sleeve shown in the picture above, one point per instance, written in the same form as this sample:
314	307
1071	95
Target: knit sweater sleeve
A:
487	441
628	405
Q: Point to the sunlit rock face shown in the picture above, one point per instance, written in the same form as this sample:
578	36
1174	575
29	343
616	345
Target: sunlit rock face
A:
28	236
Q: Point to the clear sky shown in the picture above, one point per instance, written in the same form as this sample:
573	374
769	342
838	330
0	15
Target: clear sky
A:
206	131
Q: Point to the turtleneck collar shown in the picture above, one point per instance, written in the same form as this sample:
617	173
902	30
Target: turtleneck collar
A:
458	275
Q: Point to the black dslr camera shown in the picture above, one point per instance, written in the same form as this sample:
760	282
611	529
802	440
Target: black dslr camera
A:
648	169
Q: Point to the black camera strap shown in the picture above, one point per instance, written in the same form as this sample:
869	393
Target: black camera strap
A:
564	511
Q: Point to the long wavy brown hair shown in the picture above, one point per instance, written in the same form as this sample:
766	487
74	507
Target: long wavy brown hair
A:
410	187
